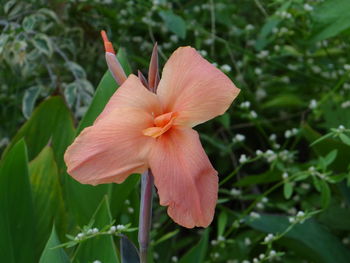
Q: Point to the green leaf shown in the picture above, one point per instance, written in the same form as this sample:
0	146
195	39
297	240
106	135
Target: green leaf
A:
198	252
51	254
327	145
51	122
309	239
47	194
325	194
17	224
29	23
43	43
225	120
288	189
128	251
174	23
29	98
344	138
101	247
222	222
331	18
329	159
284	101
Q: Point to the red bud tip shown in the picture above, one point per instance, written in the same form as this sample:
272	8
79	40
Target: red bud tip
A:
108	45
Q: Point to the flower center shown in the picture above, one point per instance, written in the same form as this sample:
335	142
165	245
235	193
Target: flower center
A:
161	123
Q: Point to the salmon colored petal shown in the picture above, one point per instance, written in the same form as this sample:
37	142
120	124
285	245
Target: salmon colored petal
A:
195	88
186	181
112	149
132	94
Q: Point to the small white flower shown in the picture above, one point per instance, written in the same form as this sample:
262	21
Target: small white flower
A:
247	241
313	104
305	186
291	220
235	192
269	238
262	256
347	67
214	242
341	128
253	114
130	210
95	230
260	206
346	86
285	175
221	238
258	71
239	138
254	215
209	41
287	134
174	259
121	227
255	260
300	214
308	7
272	253
258	152
249	27
316	69
226	68
243	158
174	38
264	199
263	54
203	52
79	236
96	261
112	229
273	137
245	261
245	105
277	47
215	64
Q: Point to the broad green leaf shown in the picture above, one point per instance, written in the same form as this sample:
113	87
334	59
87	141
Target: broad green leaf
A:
198	252
17	224
76	69
102	247
128	251
225	120
174	23
51	254
331	18
29	98
29	23
310	239
47	194
51	122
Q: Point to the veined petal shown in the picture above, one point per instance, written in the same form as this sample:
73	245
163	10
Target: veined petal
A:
186	181
195	88
112	149
132	94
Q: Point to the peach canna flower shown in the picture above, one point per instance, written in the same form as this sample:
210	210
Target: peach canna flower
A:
139	129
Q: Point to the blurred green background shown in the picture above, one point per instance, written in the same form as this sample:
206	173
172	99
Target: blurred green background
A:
281	150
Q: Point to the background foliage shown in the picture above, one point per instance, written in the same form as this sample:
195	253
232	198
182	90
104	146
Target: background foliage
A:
281	150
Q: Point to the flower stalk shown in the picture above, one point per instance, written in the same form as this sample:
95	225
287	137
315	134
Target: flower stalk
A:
147	183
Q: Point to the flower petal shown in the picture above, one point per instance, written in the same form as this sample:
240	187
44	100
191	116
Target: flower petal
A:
132	94
195	88
112	149
186	181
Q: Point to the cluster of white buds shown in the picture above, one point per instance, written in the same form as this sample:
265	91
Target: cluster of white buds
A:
290	133
245	105
269	238
299	218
